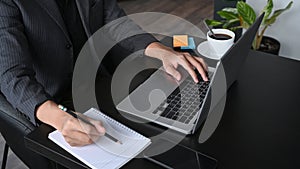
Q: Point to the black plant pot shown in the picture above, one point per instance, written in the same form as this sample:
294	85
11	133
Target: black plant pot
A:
269	45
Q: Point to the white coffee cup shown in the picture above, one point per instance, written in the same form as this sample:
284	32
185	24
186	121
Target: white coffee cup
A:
219	47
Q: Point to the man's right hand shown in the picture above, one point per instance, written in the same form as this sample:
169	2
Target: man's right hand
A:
75	132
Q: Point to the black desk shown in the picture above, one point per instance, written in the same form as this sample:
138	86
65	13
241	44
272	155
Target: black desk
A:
260	127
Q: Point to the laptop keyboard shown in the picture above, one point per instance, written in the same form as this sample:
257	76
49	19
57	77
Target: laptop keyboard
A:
184	102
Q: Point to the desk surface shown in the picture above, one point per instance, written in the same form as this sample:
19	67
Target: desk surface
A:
260	126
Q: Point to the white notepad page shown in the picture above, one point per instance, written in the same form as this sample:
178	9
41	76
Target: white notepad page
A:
105	153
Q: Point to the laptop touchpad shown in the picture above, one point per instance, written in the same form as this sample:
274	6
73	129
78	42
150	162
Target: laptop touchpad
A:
149	95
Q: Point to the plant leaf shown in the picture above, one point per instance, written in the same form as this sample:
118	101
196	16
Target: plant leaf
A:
212	22
232	10
278	12
268	10
235	28
246	13
231	22
243	23
227	15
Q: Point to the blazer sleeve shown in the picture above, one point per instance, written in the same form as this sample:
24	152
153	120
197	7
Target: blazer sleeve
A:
18	82
112	11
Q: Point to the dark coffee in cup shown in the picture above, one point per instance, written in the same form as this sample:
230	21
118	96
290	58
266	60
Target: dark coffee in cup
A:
220	36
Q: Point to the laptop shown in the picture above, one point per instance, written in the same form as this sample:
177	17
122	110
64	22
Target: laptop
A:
182	106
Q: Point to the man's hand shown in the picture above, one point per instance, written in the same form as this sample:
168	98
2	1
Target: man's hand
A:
79	133
172	59
75	132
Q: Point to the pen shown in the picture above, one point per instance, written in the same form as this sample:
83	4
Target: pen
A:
72	113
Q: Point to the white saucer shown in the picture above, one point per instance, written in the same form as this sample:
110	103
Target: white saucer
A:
205	50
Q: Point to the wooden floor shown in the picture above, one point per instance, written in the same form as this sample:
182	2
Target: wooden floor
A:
192	10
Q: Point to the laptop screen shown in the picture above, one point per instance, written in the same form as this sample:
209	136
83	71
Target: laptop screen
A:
234	58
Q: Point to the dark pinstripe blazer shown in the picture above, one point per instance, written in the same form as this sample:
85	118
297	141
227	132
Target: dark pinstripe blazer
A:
35	50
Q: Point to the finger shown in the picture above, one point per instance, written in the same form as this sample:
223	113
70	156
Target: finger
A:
204	64
187	65
91	126
88	129
83	126
76	138
80	132
170	69
89	135
199	67
99	126
96	123
71	142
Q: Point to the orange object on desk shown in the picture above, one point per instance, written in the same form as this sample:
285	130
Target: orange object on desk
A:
180	40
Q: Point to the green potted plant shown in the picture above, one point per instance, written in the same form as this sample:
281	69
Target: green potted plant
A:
243	16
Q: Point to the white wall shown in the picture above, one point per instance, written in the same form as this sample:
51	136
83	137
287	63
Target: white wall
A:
287	27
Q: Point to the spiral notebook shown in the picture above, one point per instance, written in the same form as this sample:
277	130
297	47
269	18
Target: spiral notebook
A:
105	153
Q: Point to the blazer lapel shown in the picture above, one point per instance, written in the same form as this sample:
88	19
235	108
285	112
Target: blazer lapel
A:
83	8
52	9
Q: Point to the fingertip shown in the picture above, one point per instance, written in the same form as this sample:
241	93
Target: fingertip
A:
171	70
178	76
102	130
205	78
195	77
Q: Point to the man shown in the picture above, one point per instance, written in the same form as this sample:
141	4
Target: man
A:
40	40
